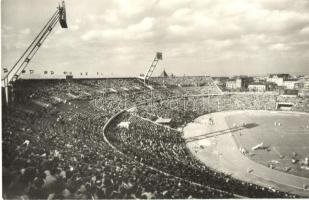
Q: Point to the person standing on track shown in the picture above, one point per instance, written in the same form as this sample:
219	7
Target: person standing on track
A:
211	121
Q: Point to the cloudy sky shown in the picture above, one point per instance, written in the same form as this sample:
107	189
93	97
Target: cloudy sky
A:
197	37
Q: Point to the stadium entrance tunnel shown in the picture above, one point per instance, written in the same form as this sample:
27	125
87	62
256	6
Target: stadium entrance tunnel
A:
284	106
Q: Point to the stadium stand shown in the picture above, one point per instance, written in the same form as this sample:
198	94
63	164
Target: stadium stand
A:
58	151
164	149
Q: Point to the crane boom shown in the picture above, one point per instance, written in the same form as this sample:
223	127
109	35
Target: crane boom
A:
25	58
152	66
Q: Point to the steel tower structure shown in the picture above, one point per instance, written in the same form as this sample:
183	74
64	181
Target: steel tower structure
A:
14	72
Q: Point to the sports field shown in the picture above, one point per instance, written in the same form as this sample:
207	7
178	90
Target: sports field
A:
218	145
285	136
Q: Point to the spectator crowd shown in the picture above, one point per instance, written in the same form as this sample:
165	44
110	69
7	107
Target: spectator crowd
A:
53	145
164	148
186	108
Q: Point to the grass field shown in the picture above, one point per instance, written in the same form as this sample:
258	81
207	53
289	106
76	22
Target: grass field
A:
291	136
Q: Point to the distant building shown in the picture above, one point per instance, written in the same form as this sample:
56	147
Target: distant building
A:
303	86
289	83
270	86
302	83
259	78
257	87
303	93
233	84
278	78
220	80
245	81
240	82
288	92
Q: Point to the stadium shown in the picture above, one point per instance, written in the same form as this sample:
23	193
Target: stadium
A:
150	137
110	145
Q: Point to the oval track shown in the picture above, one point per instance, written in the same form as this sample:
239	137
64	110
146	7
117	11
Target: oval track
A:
222	154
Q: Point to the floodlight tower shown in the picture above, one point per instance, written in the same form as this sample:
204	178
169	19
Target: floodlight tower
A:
13	74
152	67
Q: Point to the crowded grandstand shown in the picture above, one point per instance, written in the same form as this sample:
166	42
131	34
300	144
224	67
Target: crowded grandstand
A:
68	135
99	139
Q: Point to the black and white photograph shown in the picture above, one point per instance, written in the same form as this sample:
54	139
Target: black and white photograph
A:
154	99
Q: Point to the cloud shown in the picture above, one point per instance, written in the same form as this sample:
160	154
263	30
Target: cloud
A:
102	34
181	14
199	33
25	31
305	31
140	30
58	31
111	16
279	47
172	4
132	8
179	30
145	25
6	27
78	21
74	27
298	5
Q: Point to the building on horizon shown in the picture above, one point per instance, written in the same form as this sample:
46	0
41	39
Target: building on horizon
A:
257	87
278	78
239	82
233	84
289	83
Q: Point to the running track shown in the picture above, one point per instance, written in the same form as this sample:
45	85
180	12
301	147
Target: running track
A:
221	153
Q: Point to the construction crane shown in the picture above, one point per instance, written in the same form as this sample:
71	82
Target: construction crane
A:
152	67
19	67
